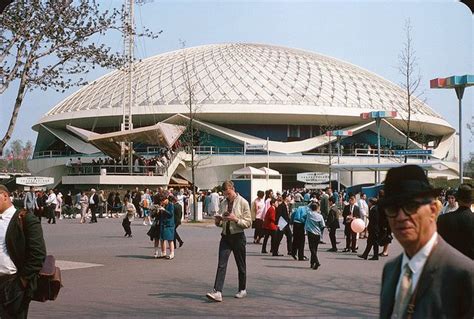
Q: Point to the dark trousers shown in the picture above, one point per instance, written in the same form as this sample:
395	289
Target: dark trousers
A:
126	226
176	236
298	240
258	229
231	244
266	234
371	242
351	237
93	208
313	242
287	232
51	213
12	294
332	237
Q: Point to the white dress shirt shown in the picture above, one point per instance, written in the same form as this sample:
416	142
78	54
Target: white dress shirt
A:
417	262
52	199
7	267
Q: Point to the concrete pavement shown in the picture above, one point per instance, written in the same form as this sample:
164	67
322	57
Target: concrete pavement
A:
108	276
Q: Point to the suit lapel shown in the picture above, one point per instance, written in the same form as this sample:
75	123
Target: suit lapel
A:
390	285
430	268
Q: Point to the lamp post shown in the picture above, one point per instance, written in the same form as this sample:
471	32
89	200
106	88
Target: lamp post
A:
339	134
458	83
378	116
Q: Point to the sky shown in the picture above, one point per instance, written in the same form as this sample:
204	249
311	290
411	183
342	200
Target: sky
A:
369	34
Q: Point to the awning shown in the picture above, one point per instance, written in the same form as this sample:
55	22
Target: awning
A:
159	134
75	143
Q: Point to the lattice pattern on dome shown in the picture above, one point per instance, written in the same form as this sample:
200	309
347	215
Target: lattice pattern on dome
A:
245	74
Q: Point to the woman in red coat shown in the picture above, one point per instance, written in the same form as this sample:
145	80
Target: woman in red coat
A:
270	227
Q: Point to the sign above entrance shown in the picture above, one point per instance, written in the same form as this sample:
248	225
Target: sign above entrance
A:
35	181
314	177
414	152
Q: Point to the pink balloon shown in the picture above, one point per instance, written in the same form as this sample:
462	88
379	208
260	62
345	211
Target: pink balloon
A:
357	225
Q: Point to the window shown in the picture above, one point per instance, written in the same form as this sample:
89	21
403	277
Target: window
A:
293	131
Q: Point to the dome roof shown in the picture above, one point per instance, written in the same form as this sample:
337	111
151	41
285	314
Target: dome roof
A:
244	74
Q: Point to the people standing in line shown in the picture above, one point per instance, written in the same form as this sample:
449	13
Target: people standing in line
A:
51	204
22	255
256	208
29	201
129	210
430	279
364	211
333	223
374	231
178	216
314	224
93	202
84	206
234	216
457	228
297	220
270	229
451	204
350	212
283	211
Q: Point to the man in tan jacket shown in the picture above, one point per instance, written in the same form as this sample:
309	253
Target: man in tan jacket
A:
234	216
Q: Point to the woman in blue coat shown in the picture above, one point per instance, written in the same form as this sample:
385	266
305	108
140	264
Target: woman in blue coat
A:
166	216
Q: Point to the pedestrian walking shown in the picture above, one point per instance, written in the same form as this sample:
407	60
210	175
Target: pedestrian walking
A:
314	224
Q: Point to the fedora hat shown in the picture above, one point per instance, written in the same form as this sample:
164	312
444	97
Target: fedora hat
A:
464	194
405	183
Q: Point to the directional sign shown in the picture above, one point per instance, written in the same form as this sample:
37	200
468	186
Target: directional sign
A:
34	180
314	177
256	147
414	152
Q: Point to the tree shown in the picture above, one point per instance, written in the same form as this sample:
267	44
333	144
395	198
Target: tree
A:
49	44
408	68
192	138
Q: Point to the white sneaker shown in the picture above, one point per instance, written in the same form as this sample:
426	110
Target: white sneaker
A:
156	254
241	294
144	223
214	296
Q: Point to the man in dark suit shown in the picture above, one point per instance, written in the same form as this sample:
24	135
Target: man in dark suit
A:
457	227
350	212
22	260
374	231
93	204
430	279
283	211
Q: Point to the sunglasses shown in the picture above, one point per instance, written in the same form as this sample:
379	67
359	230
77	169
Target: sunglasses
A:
409	208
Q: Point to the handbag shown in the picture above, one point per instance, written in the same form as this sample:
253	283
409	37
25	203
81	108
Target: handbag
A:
49	281
49	277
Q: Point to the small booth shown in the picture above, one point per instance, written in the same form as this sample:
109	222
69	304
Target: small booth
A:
249	180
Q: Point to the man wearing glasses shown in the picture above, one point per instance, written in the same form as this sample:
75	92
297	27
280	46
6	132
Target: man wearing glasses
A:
430	279
22	252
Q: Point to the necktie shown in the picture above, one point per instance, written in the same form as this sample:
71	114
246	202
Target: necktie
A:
404	293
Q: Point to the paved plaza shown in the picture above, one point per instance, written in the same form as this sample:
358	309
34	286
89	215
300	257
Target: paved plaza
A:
108	276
